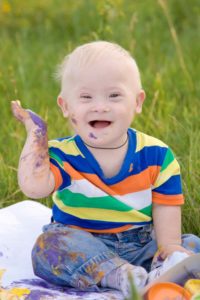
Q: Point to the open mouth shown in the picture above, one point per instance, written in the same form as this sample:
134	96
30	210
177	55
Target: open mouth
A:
99	123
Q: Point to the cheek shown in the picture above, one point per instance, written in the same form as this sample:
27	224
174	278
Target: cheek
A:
126	116
73	119
126	112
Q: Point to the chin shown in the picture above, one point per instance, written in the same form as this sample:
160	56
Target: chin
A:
97	141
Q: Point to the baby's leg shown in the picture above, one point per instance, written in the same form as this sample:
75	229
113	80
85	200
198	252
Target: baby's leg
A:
121	278
69	257
191	242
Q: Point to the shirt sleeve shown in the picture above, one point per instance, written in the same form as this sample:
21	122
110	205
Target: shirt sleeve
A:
57	167
167	188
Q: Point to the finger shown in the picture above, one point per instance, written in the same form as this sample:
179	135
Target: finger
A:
189	252
181	249
163	255
19	113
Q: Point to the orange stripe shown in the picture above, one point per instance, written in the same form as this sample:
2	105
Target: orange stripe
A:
57	176
114	230
131	184
93	178
136	183
72	172
167	199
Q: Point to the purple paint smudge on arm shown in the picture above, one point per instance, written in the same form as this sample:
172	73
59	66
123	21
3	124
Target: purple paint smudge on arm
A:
38	121
91	135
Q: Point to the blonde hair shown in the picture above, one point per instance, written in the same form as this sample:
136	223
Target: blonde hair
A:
89	53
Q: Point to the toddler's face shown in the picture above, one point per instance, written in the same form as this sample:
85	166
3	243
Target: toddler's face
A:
102	101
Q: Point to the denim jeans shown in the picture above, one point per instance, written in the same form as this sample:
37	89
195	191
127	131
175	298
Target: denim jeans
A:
66	256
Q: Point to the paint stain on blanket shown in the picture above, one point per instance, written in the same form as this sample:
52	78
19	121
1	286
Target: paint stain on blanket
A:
14	293
25	294
39	295
2	271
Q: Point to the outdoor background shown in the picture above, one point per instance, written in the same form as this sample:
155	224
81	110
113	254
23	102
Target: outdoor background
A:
164	38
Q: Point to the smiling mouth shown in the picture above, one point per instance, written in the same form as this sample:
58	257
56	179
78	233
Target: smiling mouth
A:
99	123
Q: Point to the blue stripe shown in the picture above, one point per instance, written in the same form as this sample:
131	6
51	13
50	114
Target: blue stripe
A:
96	169
76	161
62	217
148	156
171	187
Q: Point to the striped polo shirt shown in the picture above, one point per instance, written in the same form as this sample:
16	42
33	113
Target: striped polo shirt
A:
84	198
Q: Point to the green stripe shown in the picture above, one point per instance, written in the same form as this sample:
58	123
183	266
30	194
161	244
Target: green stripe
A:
80	200
169	157
56	157
146	211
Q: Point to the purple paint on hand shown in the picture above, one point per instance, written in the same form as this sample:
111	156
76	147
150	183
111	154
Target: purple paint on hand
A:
91	135
38	121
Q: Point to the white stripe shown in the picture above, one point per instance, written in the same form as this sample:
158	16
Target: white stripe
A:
136	200
85	187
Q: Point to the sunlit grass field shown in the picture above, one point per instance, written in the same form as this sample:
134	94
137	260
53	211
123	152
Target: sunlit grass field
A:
163	36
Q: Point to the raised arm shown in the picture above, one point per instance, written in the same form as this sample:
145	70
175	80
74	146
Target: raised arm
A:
34	175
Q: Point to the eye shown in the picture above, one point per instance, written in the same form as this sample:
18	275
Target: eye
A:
114	95
85	97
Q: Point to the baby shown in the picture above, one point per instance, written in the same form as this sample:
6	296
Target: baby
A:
111	184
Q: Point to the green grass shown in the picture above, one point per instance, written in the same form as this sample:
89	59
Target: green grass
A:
163	36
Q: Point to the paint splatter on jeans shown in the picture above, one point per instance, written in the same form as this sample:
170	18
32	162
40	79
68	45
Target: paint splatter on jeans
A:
66	256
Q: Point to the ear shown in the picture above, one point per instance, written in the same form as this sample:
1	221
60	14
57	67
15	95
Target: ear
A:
63	105
139	101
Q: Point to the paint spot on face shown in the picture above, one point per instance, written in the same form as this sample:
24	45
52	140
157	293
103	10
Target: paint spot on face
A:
91	135
74	121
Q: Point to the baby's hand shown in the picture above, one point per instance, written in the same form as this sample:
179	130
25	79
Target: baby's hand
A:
20	113
28	118
166	250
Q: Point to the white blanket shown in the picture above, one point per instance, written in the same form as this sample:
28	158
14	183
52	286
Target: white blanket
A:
20	225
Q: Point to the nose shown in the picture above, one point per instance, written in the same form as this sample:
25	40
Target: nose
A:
100	107
97	109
